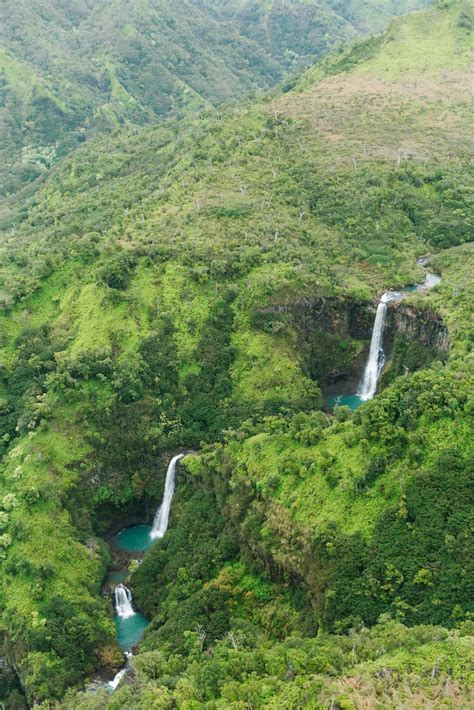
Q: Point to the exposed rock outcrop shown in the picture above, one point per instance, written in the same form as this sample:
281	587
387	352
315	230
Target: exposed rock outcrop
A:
421	325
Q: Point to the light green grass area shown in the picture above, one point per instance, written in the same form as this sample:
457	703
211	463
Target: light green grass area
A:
267	367
428	42
188	305
41	308
20	77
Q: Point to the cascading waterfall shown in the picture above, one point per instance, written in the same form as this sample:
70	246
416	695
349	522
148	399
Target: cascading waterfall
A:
130	630
376	360
113	684
160	523
430	281
123	602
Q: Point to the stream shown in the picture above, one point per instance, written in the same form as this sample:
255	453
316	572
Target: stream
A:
130	624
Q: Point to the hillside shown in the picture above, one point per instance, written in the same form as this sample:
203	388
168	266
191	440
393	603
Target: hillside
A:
70	69
199	284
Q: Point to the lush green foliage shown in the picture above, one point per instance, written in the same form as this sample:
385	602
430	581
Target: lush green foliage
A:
373	512
388	665
193	284
69	69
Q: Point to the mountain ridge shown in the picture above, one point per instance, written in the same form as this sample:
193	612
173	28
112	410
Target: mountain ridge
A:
73	69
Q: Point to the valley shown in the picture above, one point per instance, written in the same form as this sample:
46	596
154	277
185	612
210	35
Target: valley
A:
183	298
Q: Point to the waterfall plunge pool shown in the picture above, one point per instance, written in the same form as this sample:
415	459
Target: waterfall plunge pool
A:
130	625
136	538
130	630
348	400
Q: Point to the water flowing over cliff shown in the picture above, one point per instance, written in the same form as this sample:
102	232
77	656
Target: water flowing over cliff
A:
160	523
123	602
376	359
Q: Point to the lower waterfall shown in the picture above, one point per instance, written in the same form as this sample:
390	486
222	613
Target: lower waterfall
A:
113	684
123	602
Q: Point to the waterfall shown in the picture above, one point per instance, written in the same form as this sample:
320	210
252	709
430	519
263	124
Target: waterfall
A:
430	281
376	359
113	684
123	601
160	523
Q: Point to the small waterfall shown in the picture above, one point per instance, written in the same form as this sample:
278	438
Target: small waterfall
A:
376	360
160	523
430	281
123	601
113	684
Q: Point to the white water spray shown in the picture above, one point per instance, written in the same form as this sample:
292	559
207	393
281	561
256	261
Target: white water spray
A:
430	281
113	684
376	360
160	523
123	602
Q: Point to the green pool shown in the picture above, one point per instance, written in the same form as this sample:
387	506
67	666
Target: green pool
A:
349	400
116	576
134	538
130	630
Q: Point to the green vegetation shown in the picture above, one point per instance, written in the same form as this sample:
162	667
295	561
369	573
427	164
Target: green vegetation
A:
194	284
71	69
389	664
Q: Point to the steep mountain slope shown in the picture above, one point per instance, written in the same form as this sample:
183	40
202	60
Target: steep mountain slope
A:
294	32
70	68
153	298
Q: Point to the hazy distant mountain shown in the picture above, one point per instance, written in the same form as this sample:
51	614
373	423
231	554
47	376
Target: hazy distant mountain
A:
70	67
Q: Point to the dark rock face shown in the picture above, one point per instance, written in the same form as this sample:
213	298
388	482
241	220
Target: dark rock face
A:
423	326
332	333
340	316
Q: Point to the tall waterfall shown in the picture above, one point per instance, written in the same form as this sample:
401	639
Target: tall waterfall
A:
123	601
160	523
376	359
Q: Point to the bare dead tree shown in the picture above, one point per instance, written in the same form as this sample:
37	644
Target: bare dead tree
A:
447	685
435	669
